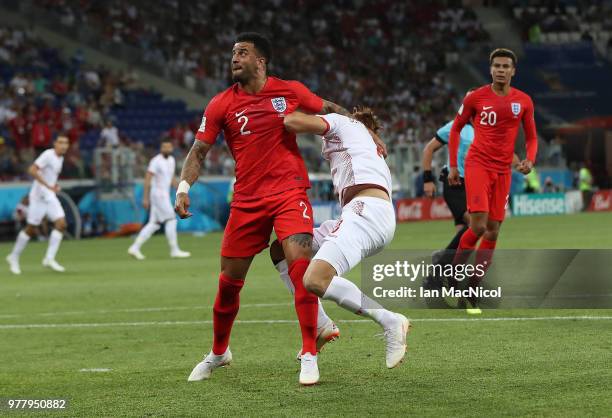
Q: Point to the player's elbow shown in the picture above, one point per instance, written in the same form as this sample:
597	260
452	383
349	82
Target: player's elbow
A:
32	170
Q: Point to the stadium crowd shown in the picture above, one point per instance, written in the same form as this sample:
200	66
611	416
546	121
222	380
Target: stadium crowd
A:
571	20
42	96
385	54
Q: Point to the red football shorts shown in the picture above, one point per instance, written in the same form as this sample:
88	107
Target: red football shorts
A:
250	222
487	191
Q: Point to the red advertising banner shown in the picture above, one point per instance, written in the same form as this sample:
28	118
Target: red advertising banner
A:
422	209
601	201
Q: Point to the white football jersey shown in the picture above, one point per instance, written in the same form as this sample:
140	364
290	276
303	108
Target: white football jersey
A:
352	155
163	170
50	166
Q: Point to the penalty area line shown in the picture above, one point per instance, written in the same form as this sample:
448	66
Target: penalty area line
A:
292	321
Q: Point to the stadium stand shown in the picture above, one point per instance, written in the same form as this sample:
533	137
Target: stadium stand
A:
567	21
568	48
387	55
42	95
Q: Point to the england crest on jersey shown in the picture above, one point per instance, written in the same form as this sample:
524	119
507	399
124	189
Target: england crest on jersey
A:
279	104
516	109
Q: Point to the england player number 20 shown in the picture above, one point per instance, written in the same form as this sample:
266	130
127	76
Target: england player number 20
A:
488	118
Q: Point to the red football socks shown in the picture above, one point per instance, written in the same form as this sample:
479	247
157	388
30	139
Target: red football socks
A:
484	254
306	306
466	244
225	310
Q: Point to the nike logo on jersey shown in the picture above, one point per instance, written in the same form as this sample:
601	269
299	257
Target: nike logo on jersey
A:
241	113
486	107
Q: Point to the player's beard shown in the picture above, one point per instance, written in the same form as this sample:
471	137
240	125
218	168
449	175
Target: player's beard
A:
244	77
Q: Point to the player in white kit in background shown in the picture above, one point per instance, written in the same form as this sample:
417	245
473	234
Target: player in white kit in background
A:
44	202
160	176
367	224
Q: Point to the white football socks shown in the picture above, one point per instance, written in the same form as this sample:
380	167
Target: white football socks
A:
346	294
55	239
20	244
283	269
145	233
170	230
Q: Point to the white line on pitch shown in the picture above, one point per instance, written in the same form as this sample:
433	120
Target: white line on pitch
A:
95	370
292	321
134	310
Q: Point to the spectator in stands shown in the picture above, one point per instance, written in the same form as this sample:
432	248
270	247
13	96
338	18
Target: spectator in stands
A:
109	137
8	161
41	134
550	186
88	226
188	137
100	225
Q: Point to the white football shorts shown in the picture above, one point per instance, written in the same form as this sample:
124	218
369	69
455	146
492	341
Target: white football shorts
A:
41	207
161	209
365	227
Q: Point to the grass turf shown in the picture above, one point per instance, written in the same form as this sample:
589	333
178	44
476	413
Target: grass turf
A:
149	322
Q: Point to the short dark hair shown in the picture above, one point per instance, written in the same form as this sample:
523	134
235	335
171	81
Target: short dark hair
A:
261	43
503	52
165	139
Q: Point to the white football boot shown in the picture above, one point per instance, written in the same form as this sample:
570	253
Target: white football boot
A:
327	333
13	263
204	369
395	338
136	253
53	265
330	332
180	254
309	372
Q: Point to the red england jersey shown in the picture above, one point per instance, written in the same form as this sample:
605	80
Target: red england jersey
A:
496	120
268	160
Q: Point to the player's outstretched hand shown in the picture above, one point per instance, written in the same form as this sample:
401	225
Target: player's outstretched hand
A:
56	188
453	177
181	206
525	167
429	188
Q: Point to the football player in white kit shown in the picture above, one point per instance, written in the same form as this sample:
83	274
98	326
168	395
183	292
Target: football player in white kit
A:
44	202
160	176
367	224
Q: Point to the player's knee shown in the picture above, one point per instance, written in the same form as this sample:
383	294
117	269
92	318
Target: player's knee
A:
276	252
317	277
60	225
313	284
478	229
31	230
491	234
154	226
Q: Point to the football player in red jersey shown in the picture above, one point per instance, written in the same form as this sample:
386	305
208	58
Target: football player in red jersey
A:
496	111
269	193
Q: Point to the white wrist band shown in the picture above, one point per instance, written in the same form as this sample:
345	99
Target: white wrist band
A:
183	187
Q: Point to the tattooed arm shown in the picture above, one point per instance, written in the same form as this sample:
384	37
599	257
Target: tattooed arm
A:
190	173
331	107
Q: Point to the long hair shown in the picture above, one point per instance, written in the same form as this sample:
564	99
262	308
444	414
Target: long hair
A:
366	116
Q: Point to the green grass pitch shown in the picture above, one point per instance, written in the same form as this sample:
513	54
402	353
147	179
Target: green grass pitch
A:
149	323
